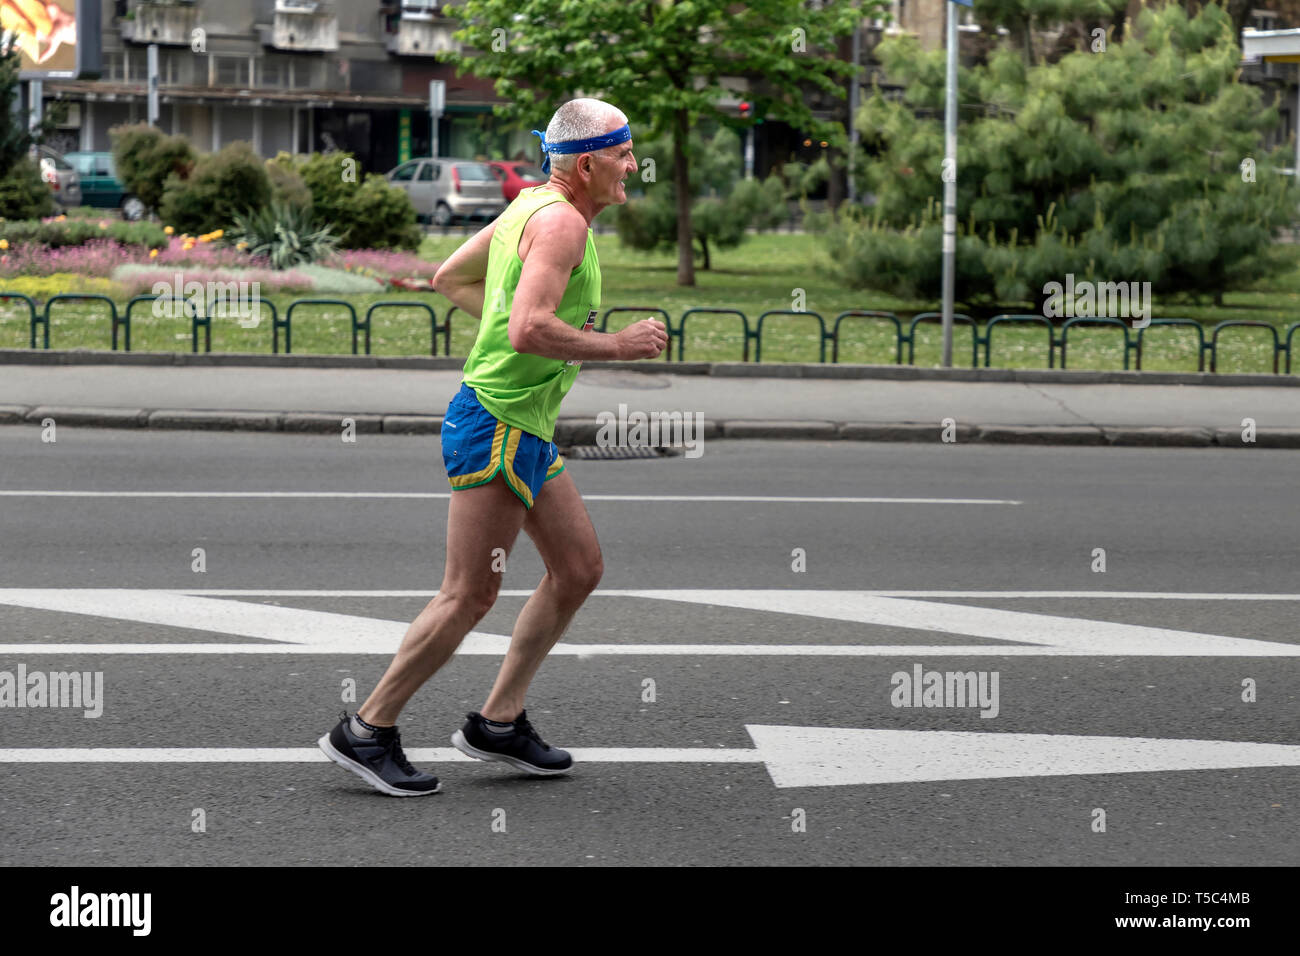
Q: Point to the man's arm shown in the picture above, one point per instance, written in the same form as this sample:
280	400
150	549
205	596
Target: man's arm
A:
554	249
461	277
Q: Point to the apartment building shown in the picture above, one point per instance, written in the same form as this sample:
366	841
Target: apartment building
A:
293	75
312	75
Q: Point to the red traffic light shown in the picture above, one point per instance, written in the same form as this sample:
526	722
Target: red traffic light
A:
745	108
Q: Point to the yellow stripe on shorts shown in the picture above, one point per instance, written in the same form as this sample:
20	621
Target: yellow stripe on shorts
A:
494	462
519	486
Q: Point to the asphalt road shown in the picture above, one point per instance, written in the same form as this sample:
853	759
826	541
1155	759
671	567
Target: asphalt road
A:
1201	551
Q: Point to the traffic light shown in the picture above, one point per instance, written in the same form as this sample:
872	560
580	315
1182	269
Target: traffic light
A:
746	109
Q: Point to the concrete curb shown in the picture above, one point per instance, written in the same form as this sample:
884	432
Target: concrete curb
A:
584	431
791	370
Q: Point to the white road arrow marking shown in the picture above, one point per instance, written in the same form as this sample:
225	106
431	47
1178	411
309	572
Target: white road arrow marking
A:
830	756
813	756
301	631
1065	635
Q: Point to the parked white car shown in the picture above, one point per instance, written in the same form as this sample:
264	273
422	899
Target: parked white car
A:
446	189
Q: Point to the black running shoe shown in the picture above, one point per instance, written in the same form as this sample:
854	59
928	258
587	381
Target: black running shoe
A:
377	760
521	747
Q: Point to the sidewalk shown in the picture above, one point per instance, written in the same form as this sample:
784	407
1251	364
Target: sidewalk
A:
1059	408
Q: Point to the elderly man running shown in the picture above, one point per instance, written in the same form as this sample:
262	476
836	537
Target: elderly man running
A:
534	278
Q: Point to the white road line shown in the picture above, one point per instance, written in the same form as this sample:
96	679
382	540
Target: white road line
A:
471	649
617	592
313	755
812	756
379	495
304	631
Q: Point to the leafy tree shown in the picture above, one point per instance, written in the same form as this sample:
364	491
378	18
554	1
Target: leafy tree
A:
722	205
1124	166
663	62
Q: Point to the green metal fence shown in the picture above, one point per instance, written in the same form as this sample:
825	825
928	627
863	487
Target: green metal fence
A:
1133	340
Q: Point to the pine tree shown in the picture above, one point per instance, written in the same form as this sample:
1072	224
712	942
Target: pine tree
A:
1140	163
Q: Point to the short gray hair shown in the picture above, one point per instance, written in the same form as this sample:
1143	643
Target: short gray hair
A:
579	119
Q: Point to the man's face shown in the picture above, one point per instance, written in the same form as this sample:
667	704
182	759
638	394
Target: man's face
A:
609	167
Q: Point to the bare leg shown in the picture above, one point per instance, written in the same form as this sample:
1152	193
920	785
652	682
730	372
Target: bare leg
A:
479	520
562	531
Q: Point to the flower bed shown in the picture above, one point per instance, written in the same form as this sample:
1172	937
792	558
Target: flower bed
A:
133	258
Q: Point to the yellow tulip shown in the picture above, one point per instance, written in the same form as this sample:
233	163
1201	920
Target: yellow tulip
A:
4	243
168	230
153	253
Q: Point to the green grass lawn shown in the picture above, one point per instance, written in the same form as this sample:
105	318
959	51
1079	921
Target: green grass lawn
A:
766	272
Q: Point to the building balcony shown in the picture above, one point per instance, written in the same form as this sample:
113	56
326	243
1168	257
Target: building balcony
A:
419	30
304	26
166	22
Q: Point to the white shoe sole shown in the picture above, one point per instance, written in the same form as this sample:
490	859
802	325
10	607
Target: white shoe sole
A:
368	775
460	743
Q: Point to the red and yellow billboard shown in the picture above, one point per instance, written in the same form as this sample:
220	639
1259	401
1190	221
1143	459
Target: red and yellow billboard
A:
45	33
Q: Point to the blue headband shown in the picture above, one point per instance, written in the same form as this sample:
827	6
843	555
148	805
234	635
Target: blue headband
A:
620	135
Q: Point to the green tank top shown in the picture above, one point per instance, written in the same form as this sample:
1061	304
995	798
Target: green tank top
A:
523	390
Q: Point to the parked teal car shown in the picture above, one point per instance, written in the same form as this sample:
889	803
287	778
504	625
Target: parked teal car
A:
100	186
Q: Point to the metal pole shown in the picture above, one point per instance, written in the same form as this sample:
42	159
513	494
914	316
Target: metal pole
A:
950	185
153	84
437	103
35	103
1295	125
853	108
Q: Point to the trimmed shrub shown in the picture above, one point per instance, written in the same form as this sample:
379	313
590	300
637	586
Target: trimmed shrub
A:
23	194
222	185
145	157
365	215
287	185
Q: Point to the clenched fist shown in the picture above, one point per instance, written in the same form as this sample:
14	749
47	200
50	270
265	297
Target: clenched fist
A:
642	340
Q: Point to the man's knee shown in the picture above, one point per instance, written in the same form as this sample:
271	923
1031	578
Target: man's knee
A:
579	578
473	601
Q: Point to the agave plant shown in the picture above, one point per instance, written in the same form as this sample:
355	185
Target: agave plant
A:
288	235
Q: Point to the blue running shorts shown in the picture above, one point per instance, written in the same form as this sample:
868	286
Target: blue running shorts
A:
475	446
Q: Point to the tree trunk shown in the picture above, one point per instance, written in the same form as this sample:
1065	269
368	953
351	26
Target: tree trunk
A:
682	184
704	247
836	181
